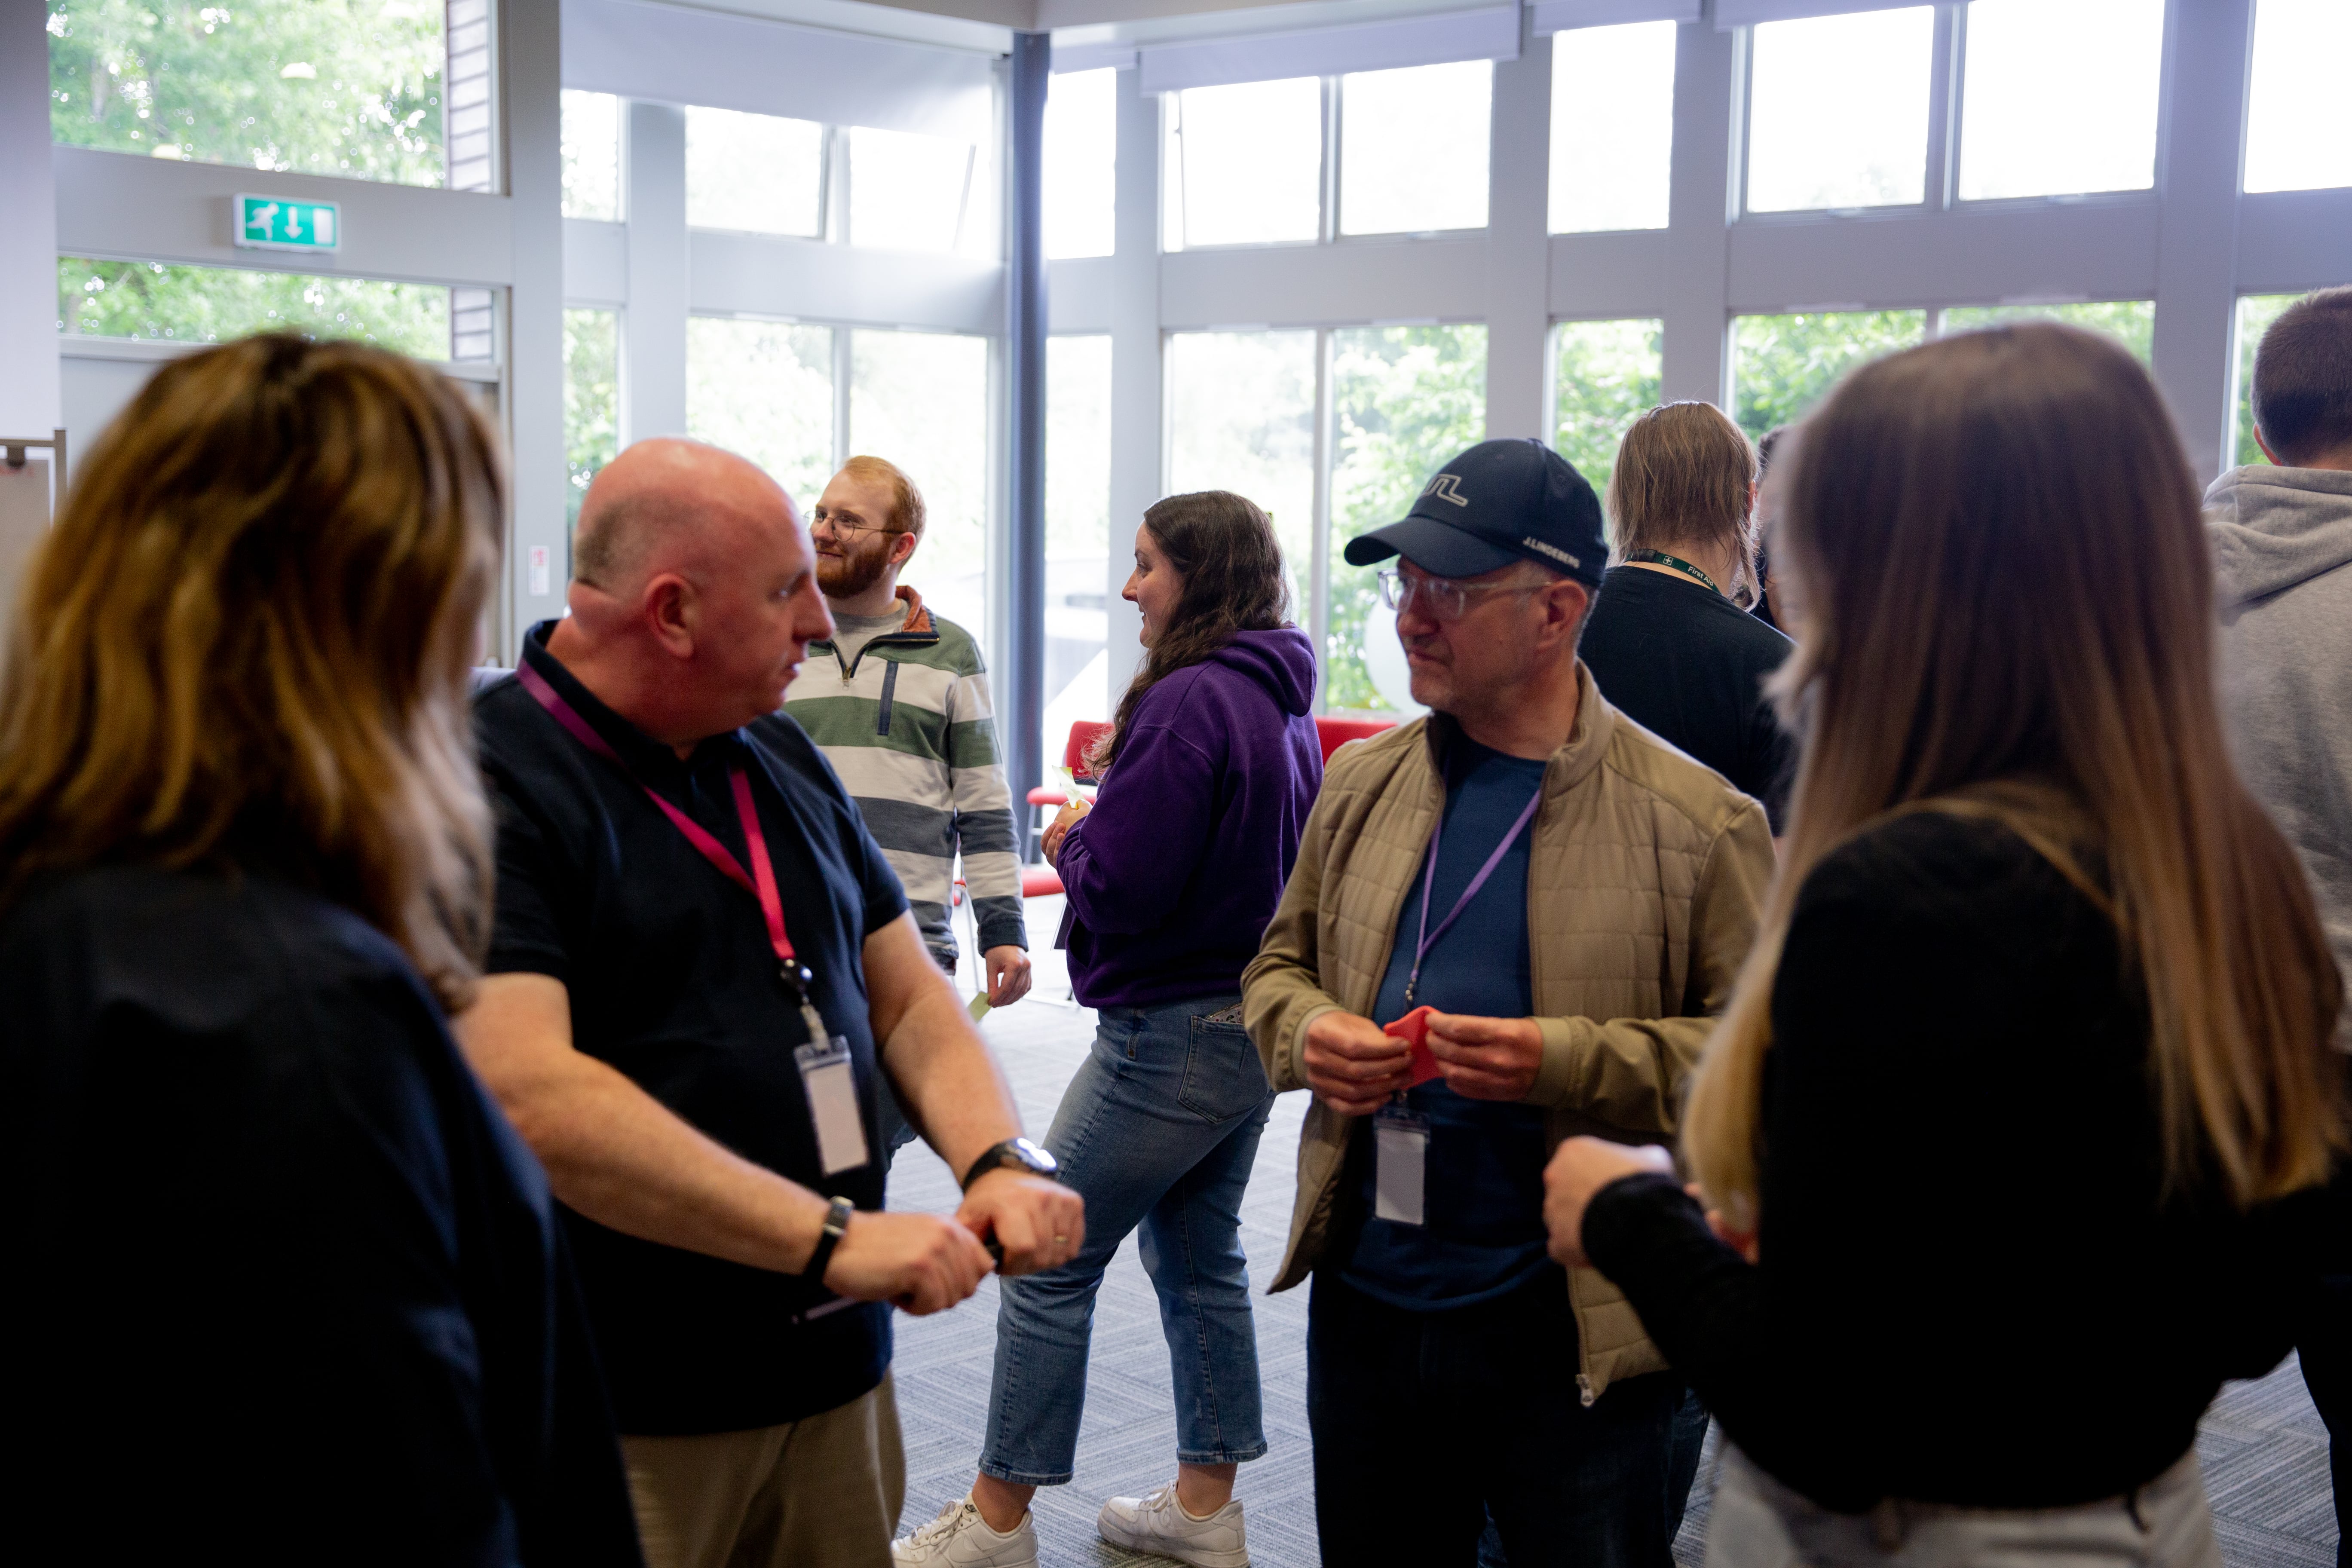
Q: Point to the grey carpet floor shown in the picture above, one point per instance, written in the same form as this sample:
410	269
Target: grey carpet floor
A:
2263	1449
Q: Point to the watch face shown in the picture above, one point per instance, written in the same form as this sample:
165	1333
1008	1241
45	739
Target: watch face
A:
1035	1157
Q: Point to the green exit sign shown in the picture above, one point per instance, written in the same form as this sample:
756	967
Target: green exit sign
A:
274	222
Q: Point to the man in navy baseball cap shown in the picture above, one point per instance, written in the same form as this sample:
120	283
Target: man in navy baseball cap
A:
1499	502
1571	901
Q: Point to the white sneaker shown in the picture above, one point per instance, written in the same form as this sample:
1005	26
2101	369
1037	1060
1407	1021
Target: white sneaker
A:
960	1538
1159	1525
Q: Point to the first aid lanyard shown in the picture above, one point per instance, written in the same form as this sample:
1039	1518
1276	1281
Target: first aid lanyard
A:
1429	887
763	888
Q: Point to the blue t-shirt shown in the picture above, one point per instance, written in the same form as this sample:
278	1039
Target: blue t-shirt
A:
1483	1175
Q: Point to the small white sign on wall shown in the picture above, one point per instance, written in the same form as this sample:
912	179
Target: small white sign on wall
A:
540	572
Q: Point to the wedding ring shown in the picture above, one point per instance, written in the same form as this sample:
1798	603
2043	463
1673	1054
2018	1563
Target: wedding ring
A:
1061	1240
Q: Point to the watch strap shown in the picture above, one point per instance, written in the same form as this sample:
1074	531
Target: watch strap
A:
1013	1151
837	1225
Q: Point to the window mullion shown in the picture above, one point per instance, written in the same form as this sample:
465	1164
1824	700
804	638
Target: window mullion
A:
842	367
1318	587
1329	224
1944	109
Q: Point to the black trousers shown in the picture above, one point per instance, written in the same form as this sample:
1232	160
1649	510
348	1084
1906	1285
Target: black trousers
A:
1426	1421
2324	1343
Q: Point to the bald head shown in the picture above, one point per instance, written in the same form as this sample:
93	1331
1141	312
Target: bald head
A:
694	592
670	505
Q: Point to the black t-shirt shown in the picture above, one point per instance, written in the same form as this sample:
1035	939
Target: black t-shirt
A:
672	981
1688	665
1971	1288
262	1217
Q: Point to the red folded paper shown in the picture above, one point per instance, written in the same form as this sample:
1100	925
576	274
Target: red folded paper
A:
1413	1030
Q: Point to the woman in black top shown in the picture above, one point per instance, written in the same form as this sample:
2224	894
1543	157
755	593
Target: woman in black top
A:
2028	1075
286	1288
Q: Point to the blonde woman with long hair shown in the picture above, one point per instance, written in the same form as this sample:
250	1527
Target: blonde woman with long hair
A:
286	1285
2029	1066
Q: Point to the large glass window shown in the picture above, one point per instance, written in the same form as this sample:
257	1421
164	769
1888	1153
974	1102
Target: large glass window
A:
1241	418
352	89
1603	374
1837	112
1413	148
591	154
1613	127
1081	163
2034	122
1783	365
1246	163
764	390
2255	314
920	399
2295	133
908	191
759	173
1077	537
1403	400
2131	322
211	304
592	399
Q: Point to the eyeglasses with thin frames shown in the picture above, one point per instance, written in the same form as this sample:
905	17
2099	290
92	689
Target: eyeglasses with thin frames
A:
1444	598
846	523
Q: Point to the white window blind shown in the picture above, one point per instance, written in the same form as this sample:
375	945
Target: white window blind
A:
1566	15
675	54
1482	35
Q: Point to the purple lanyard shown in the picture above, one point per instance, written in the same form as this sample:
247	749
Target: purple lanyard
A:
1429	885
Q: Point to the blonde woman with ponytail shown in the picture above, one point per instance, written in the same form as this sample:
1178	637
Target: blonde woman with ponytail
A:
2027	1077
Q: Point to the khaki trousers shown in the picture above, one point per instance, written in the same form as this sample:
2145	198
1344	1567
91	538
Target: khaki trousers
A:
821	1492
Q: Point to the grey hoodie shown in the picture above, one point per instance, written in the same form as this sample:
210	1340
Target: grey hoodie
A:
2283	564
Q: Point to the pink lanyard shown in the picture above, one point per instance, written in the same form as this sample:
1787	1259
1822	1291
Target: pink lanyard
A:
764	889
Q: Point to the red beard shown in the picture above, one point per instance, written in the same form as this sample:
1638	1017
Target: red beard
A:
851	572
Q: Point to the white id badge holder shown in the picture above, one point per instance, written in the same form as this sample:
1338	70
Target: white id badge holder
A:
830	1078
1401	1141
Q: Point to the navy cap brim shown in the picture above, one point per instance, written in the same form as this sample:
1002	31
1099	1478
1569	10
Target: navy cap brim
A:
1435	547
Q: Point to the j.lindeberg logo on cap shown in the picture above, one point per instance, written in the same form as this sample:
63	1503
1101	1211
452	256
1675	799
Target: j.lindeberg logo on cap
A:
1446	487
1555	551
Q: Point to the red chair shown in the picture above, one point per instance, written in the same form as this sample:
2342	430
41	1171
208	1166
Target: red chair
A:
1074	757
1337	732
1041	881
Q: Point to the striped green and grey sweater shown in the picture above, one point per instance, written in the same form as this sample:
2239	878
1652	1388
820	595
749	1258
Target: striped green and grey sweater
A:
907	724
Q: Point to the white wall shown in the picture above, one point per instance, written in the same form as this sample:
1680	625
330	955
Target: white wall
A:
28	234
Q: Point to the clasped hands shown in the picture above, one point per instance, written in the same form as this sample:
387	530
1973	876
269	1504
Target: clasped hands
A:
925	1263
1352	1066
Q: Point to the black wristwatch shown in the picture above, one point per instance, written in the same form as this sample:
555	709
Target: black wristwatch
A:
1013	1153
837	1225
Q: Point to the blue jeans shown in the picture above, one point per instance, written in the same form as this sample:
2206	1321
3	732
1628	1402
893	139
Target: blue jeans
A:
1159	1129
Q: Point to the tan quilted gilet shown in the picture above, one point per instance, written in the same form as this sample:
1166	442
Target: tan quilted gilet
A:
1646	883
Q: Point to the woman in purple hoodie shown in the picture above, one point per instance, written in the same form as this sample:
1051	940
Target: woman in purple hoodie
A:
1208	774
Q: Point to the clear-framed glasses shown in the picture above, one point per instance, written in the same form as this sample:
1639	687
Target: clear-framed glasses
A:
844	523
1442	597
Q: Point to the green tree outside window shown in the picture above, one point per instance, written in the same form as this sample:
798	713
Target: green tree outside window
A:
1784	366
2131	322
592	400
1403	400
347	88
212	304
2255	314
1604	374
